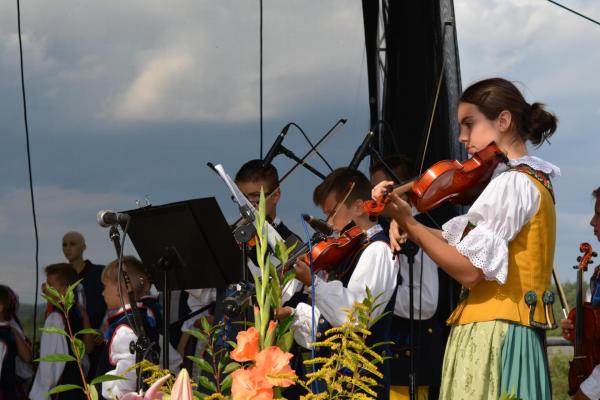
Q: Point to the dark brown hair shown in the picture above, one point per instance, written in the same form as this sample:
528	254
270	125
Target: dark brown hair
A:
338	183
254	171
65	273
399	163
10	300
494	95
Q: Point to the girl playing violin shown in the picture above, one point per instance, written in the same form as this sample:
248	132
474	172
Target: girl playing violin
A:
501	251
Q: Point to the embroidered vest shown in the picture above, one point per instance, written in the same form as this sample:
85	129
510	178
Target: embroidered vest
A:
530	263
380	332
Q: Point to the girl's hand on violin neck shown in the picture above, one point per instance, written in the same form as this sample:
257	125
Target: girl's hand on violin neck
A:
381	190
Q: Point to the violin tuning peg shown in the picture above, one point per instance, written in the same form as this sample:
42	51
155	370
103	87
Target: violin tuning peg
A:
594	254
591	262
579	259
575	267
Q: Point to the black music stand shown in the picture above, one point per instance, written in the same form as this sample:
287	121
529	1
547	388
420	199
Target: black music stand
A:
184	245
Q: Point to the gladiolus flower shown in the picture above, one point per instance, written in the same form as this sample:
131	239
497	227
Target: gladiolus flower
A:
247	346
249	384
271	328
182	388
274	365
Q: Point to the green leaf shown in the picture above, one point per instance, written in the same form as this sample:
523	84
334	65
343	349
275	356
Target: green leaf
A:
284	325
52	300
205	324
202	363
281	251
55	330
78	348
232	344
232	366
207	383
226	383
197	334
69	300
93	392
62	388
288	277
88	331
199	395
285	341
106	378
56	358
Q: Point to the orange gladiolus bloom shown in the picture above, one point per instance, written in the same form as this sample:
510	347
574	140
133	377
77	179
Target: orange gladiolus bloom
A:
249	384
247	346
275	366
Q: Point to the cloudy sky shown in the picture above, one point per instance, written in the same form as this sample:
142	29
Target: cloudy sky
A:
128	99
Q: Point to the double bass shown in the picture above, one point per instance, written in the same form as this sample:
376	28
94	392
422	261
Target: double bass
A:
586	319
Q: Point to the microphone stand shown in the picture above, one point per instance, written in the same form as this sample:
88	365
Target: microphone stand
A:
142	345
290	154
410	250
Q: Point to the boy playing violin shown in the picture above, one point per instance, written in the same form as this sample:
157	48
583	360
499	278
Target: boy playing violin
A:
341	196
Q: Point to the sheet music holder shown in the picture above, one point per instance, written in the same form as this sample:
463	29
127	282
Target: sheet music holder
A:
185	245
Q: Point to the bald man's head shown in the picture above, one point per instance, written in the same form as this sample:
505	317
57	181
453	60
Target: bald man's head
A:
73	245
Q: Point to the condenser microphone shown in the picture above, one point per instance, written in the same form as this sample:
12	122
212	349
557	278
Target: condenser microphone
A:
274	150
108	218
361	152
318	224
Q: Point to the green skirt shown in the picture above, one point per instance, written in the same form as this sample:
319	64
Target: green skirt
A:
485	360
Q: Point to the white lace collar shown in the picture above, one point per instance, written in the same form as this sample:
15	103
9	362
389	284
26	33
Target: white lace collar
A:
534	162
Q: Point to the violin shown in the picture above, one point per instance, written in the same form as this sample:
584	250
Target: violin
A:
331	251
586	319
328	252
459	183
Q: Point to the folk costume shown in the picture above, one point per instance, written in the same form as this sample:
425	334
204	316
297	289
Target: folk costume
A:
117	357
374	268
496	345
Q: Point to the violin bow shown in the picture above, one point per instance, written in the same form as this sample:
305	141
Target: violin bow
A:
561	293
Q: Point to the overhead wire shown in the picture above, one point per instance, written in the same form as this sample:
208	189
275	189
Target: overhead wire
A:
574	12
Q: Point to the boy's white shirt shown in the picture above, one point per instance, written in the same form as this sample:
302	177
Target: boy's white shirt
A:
49	373
376	269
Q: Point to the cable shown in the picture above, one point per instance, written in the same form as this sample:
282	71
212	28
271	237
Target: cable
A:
312	291
312	146
35	228
574	12
261	79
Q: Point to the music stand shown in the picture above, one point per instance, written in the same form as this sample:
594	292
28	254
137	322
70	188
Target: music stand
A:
184	245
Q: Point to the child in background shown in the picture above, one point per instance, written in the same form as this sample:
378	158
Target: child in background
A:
50	374
120	332
14	346
152	306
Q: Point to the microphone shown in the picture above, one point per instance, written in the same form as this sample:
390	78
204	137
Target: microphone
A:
318	224
274	150
108	218
361	152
